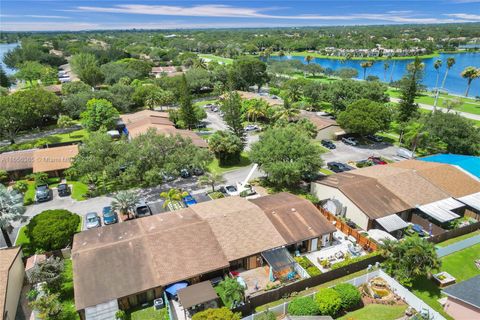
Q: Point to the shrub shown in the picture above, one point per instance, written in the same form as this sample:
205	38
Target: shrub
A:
349	261
328	301
267	315
349	294
216	195
216	314
20	186
40	178
313	271
52	229
120	315
303	306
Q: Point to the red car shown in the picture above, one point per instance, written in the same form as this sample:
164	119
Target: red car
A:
377	160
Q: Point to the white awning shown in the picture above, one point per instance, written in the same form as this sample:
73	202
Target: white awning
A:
380	235
392	223
441	210
472	200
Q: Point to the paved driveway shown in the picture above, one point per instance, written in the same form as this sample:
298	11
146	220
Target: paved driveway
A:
344	153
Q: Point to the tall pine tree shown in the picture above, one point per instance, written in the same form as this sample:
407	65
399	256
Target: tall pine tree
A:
187	111
232	110
407	108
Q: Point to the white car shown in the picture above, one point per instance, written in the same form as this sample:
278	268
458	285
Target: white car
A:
350	141
231	190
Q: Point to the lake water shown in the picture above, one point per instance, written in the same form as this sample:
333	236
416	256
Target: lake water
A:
4	48
455	84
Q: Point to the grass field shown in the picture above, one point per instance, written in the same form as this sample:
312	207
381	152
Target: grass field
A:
79	190
216	58
317	55
377	311
459	264
147	313
215	167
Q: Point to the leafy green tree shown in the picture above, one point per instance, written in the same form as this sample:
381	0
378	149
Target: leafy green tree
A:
125	202
49	271
410	259
415	134
313	69
65	122
308	127
211	179
216	314
409	87
249	71
349	295
48	306
100	114
365	117
85	65
470	73
92	76
309	59
122	97
286	155
346	73
52	229
226	146
255	109
232	110
232	290
294	89
126	68
328	301
75	87
4	79
303	306
187	111
20	186
11	209
30	71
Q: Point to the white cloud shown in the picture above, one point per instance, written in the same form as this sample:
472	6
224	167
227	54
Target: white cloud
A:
47	26
36	16
466	16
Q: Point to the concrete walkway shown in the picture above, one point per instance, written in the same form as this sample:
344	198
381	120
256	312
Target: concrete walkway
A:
430	107
457	246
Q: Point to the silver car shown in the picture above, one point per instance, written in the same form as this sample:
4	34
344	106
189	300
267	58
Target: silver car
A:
92	220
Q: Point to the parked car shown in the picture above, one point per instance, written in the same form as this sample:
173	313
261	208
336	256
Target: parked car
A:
92	220
374	138
63	190
201	125
188	200
198	171
184	173
142	209
377	160
167	177
231	190
328	144
109	216
42	193
350	141
405	153
338	167
251	127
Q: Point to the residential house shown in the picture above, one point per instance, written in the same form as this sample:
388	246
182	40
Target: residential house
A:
12	274
463	299
252	95
132	262
169	71
140	122
385	196
327	128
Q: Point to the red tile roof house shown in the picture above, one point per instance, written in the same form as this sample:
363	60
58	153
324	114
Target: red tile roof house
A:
132	262
463	299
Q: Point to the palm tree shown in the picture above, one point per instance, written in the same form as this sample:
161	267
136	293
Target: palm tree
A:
172	197
125	202
232	289
437	64
11	209
365	65
309	59
415	132
470	73
386	65
200	64
211	179
391	72
450	63
257	108
287	112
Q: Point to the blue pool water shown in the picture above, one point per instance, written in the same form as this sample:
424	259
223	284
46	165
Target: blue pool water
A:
470	164
455	84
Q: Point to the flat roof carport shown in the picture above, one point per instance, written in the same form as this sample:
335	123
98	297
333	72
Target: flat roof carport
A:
441	210
392	223
472	200
196	294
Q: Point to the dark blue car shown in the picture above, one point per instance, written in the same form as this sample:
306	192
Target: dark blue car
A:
188	200
109	216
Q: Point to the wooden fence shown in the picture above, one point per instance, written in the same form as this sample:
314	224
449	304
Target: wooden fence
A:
454	233
342	226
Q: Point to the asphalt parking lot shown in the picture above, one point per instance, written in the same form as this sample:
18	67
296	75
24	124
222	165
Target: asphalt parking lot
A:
345	153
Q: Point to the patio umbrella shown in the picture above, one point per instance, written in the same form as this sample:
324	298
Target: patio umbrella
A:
173	289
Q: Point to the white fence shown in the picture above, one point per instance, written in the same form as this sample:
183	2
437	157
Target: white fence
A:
397	288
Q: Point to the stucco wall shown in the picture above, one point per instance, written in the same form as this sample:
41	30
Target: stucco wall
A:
323	192
460	310
14	286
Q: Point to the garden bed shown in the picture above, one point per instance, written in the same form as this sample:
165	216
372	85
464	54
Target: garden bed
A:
308	266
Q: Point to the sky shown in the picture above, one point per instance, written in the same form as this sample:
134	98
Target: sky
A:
75	15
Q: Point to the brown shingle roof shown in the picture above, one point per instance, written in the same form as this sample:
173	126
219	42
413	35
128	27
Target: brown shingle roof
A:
320	122
241	227
253	95
295	218
7	257
451	180
123	259
16	160
51	159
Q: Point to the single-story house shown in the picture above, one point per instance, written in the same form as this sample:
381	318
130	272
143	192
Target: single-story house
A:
470	164
386	196
169	71
53	160
12	274
463	299
140	122
327	128
194	244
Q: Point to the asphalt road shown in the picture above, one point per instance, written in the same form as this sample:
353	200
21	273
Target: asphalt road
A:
344	153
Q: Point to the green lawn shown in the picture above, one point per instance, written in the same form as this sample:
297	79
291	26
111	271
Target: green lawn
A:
147	313
216	58
377	311
56	138
66	293
457	239
215	167
204	102
326	172
318	55
459	264
79	190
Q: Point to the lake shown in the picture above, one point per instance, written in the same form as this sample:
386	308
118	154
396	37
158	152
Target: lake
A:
4	48
455	84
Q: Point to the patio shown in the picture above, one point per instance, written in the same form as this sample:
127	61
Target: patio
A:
256	279
342	247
